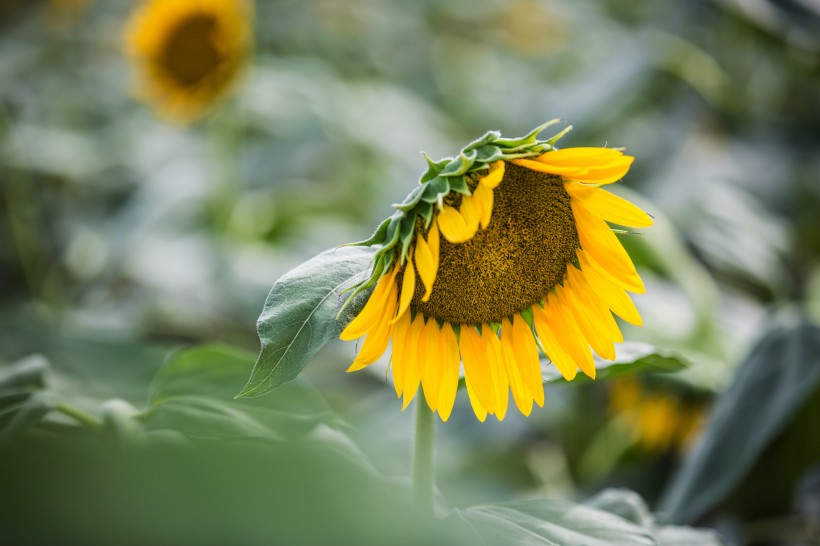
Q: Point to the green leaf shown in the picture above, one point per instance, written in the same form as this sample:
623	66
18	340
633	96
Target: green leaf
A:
770	386
632	357
299	316
552	522
630	506
209	370
23	402
28	373
22	414
191	394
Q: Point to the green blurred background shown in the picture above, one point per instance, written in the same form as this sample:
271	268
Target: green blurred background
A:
124	237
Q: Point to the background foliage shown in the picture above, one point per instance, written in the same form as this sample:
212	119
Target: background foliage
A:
124	238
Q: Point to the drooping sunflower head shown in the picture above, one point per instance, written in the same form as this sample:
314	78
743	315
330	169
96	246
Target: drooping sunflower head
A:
189	52
501	251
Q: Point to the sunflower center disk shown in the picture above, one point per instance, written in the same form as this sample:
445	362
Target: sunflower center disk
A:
190	54
515	262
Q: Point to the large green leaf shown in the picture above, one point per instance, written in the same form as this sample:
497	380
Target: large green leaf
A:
299	316
632	356
552	522
775	380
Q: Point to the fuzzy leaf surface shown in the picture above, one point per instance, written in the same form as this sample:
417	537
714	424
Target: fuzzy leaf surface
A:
299	316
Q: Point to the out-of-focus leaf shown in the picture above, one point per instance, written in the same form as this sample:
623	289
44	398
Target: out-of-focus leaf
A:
19	416
552	522
204	417
23	403
624	503
632	357
204	370
121	422
630	506
774	381
685	536
299	316
28	373
192	394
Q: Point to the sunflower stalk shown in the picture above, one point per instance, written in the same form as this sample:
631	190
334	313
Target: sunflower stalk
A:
423	478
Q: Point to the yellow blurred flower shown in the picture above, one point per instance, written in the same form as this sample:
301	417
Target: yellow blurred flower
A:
658	421
189	52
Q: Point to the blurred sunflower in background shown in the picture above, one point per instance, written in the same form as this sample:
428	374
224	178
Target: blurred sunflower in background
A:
500	251
189	52
659	420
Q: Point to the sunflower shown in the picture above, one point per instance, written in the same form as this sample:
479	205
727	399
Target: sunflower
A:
501	251
659	420
189	52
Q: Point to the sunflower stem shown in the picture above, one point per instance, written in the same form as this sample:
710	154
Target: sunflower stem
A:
423	460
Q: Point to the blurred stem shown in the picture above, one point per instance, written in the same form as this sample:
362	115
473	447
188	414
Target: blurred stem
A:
423	459
226	137
18	199
80	416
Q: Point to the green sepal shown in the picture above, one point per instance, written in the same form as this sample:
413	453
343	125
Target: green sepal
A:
425	210
458	184
527	140
411	200
488	154
439	186
488	137
377	237
433	167
408	226
528	316
460	165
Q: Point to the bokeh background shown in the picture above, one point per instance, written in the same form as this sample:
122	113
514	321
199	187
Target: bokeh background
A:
127	233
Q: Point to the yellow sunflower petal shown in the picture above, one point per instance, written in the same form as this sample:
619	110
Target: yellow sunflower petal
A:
478	409
408	288
500	383
399	360
471	212
520	391
613	295
375	344
496	174
591	165
589	326
555	350
450	363
581	155
606	174
427	264
412	365
608	206
453	226
433	240
431	369
594	307
526	354
477	366
568	171
484	197
569	332
630	282
373	311
601	243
